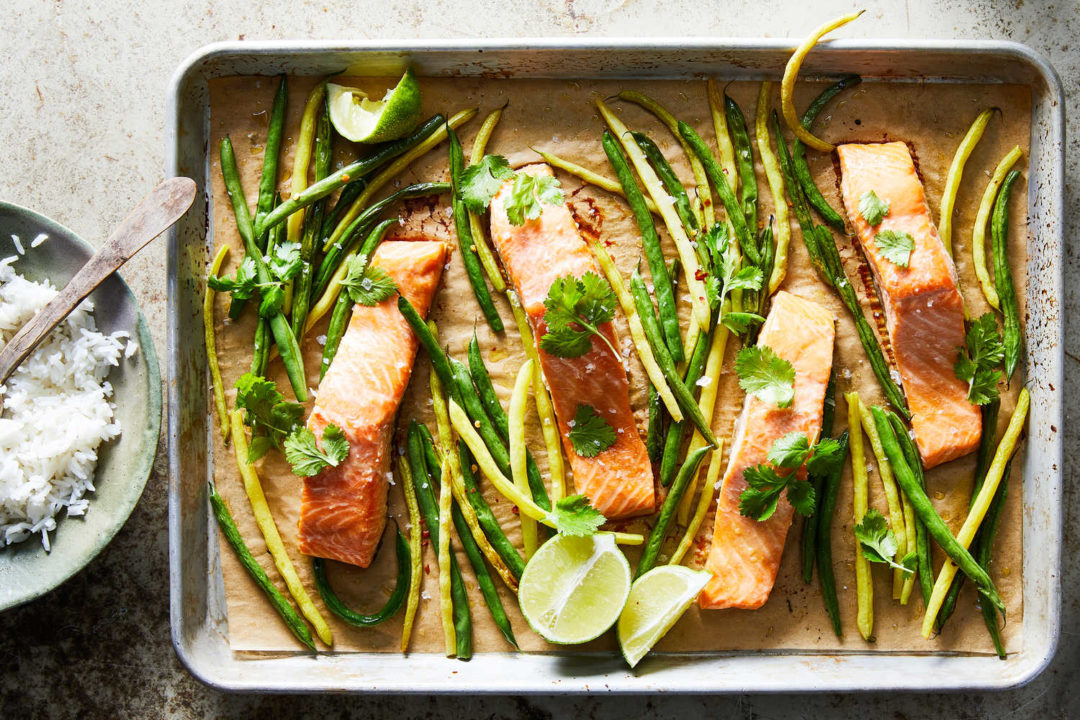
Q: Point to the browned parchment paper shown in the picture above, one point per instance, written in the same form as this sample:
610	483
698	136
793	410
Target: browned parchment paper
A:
560	116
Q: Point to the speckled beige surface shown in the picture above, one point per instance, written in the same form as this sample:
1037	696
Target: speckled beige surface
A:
82	102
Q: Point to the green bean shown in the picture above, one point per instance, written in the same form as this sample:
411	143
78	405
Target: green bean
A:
423	481
824	519
261	352
439	362
332	261
277	599
349	173
670	180
677	430
467	246
651	328
667	510
984	543
490	525
482	380
810	525
826	259
279	326
983	457
393	603
470	402
348	194
468	543
922	538
654	442
723	189
271	151
768	257
339	319
798	152
925	509
744	160
1003	281
650	243
309	243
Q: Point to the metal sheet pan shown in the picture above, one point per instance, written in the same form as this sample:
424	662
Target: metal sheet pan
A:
199	629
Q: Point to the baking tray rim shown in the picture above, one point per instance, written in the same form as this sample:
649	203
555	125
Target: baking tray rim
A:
1028	665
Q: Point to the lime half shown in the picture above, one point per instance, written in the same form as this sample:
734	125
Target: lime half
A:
360	119
657	601
574	588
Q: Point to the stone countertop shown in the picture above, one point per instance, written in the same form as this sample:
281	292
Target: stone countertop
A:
82	104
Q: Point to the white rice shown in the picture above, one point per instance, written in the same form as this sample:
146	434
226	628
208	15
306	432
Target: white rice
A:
57	412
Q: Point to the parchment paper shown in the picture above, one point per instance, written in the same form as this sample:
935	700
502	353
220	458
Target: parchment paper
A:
560	116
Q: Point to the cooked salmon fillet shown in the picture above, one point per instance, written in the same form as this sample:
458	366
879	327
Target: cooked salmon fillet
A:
343	508
745	554
924	311
618	481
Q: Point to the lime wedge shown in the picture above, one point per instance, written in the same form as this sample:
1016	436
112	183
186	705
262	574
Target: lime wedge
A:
359	119
574	588
657	600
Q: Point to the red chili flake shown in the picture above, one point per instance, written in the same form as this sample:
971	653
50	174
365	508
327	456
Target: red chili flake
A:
426	534
700	275
345	178
427	569
514	510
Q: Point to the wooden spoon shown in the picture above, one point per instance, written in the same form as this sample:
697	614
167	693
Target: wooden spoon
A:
157	212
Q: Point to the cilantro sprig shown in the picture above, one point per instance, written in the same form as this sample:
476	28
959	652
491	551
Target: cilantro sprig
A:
895	246
879	543
528	196
367	284
268	413
242	286
573	515
576	308
872	208
307	458
481	181
278	423
726	273
283	263
977	363
590	434
765	375
765	483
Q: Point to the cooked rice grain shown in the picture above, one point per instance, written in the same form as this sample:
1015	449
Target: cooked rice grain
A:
57	412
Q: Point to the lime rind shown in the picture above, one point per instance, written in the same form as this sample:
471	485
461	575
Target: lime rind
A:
358	118
656	602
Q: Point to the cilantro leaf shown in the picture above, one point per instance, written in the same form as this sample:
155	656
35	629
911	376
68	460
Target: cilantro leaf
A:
762	493
790	451
529	194
284	261
872	208
878	542
481	181
765	375
573	515
575	310
896	247
242	286
747	278
367	284
740	322
267	412
307	459
977	363
273	299
827	456
590	434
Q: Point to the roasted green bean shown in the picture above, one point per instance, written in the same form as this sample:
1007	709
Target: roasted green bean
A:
667	510
744	162
393	603
1003	281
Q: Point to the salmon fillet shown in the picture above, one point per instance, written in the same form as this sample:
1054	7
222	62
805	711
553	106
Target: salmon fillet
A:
343	508
618	481
924	311
745	554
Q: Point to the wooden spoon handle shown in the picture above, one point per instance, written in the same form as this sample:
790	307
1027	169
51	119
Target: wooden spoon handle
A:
155	214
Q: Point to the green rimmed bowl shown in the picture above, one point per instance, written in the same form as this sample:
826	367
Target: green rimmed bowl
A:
27	571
